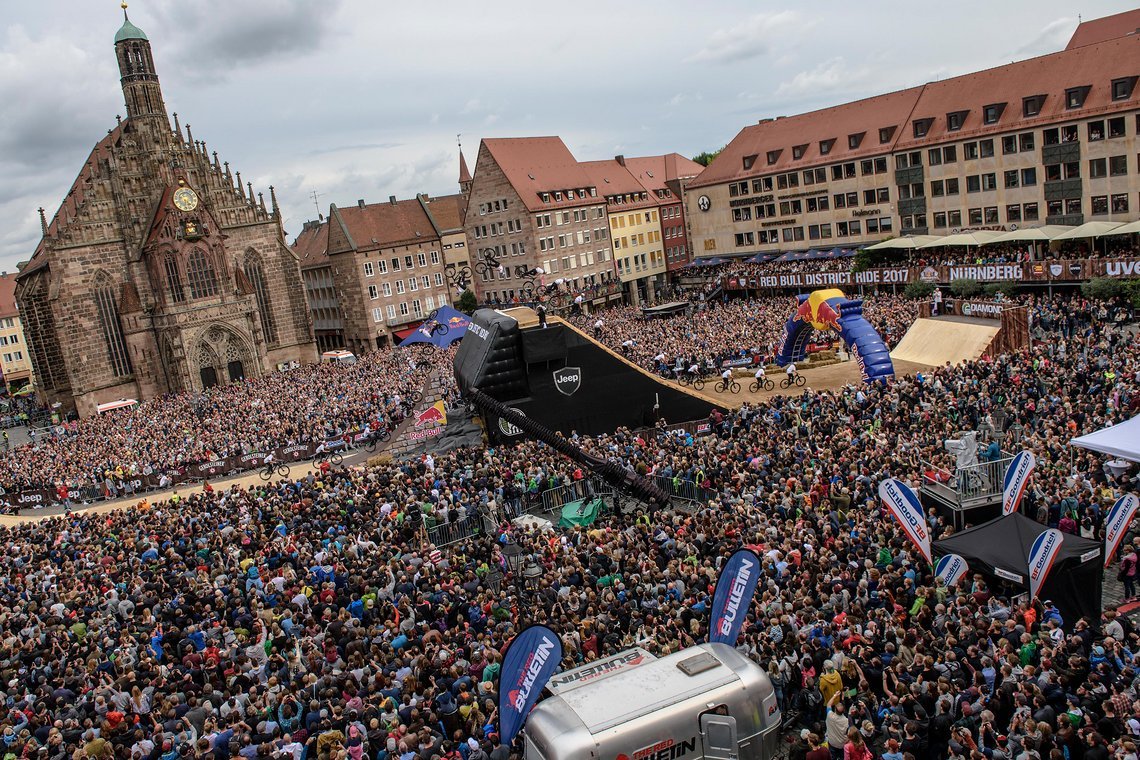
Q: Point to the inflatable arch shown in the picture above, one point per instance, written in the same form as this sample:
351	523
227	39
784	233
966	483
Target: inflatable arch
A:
831	310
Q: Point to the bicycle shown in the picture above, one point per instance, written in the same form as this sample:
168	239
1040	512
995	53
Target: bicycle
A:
383	435
272	469
727	386
699	382
790	380
762	383
331	457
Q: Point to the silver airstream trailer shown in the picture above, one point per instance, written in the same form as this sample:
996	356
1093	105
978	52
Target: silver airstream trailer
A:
708	701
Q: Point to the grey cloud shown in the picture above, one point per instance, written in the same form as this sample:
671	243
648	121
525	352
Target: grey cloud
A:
1051	38
750	39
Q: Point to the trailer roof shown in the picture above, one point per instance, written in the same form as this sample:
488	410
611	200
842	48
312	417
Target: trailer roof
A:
628	695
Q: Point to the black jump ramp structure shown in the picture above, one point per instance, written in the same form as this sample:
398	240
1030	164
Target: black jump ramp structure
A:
563	379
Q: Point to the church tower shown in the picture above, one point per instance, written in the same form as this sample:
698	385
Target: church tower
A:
465	181
137	74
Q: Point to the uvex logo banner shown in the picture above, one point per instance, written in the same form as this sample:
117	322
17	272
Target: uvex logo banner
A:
1016	479
1042	555
903	503
568	380
530	661
1116	524
950	569
733	596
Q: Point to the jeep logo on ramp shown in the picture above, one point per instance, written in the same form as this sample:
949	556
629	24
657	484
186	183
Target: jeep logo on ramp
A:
568	380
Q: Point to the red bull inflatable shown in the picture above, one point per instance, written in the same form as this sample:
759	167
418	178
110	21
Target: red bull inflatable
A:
831	310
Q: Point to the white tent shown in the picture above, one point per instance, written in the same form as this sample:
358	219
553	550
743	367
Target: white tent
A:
1121	440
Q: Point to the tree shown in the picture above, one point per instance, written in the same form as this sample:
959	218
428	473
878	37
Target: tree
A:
467	302
705	158
964	288
918	289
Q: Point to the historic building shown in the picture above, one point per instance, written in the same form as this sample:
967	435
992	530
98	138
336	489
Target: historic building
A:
15	362
374	271
160	271
1048	140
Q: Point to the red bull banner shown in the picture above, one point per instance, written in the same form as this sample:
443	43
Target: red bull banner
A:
1016	479
528	664
1042	555
733	596
905	506
950	569
1116	524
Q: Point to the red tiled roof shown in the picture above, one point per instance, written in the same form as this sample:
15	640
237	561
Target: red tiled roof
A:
1050	75
1107	28
536	165
464	174
654	172
447	211
866	116
380	225
611	178
312	245
8	296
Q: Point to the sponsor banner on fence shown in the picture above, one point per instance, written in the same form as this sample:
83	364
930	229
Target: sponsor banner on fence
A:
1067	270
733	596
528	664
294	453
1116	524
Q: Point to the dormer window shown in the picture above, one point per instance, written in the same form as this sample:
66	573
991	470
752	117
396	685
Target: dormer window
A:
885	135
774	156
955	120
798	151
1075	96
546	197
825	146
749	161
1031	106
992	112
922	126
853	141
1122	88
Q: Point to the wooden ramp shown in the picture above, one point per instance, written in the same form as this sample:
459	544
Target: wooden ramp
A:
935	342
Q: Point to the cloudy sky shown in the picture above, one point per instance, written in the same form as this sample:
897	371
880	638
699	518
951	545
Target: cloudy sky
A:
356	99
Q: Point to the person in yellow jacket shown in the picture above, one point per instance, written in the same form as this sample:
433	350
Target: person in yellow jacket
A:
830	683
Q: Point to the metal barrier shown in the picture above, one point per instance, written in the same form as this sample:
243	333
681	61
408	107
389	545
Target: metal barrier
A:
684	490
967	486
443	534
554	499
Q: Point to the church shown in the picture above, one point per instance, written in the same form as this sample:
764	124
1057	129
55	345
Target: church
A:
160	272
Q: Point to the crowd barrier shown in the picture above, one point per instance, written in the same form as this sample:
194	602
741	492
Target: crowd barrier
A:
35	498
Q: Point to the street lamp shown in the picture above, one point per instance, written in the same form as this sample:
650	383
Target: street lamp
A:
514	555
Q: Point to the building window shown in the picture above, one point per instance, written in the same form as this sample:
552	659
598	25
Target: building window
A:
745	238
922	126
853	141
934	156
1116	127
1098	167
1025	141
386	288
773	156
950	154
256	276
798	151
970	150
991	113
111	327
1031	106
1011	178
951	185
939	219
954	218
955	120
1029	177
173	278
937	188
1118	165
1013	212
991	215
368	269
885	135
1029	212
975	217
373	292
825	146
986	148
399	287
1095	131
1099	205
973	183
1120	203
1073	206
396	264
989	182
749	162
200	272
1075	96
1122	88
390	310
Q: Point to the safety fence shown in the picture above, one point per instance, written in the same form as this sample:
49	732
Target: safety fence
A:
967	486
442	534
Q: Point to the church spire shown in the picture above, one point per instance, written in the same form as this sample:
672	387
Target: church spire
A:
138	77
464	174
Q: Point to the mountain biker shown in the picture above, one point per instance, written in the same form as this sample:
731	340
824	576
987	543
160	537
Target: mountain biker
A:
694	370
726	376
791	370
759	375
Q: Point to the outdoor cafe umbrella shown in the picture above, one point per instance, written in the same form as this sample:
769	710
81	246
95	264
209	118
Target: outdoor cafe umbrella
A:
968	239
908	243
1028	234
1091	230
1125	229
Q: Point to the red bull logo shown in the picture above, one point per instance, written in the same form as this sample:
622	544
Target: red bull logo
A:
432	415
457	321
821	309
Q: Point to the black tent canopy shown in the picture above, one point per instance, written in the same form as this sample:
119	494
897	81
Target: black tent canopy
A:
999	549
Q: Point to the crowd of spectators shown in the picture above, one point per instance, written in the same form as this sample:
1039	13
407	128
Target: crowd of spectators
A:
312	618
309	404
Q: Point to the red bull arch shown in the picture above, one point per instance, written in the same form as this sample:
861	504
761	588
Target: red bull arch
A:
831	310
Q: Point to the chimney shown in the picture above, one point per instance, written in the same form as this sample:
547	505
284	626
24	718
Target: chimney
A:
392	199
620	160
360	203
